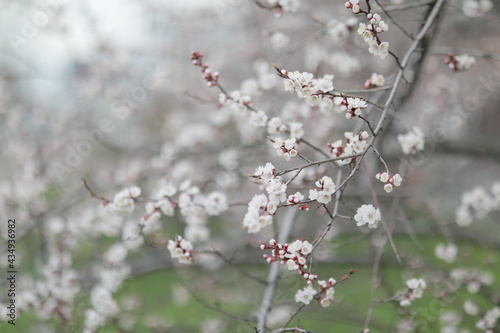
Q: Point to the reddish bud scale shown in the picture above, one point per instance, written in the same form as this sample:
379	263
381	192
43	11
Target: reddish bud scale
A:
304	207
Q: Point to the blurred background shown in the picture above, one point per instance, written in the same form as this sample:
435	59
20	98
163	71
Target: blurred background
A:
106	91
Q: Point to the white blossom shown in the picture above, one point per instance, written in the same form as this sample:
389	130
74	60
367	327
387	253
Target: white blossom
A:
367	214
390	181
416	289
413	141
296	130
216	203
476	8
103	301
279	40
124	201
305	295
337	30
116	253
286	149
446	252
289	5
258	119
370	33
197	233
461	62
471	308
477	203
257	216
181	250
465	62
489	320
375	80
275	125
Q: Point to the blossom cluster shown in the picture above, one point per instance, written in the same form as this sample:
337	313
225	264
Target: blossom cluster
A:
375	80
195	206
460	63
305	295
327	292
210	78
164	205
286	149
326	188
275	125
103	306
181	250
123	201
339	29
306	86
293	255
352	106
355	144
472	278
191	206
261	208
324	296
476	8
295	128
279	40
389	180
471	308
215	203
56	289
368	214
354	5
446	252
285	5
296	199
477	203
237	102
489	320
371	30
413	141
154	211
258	214
258	119
415	290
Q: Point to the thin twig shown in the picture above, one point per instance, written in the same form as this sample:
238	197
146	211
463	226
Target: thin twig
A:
91	193
273	276
238	269
380	158
394	21
295	314
280	173
376	268
382	219
369	90
314	147
409	5
368	124
418	39
216	307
